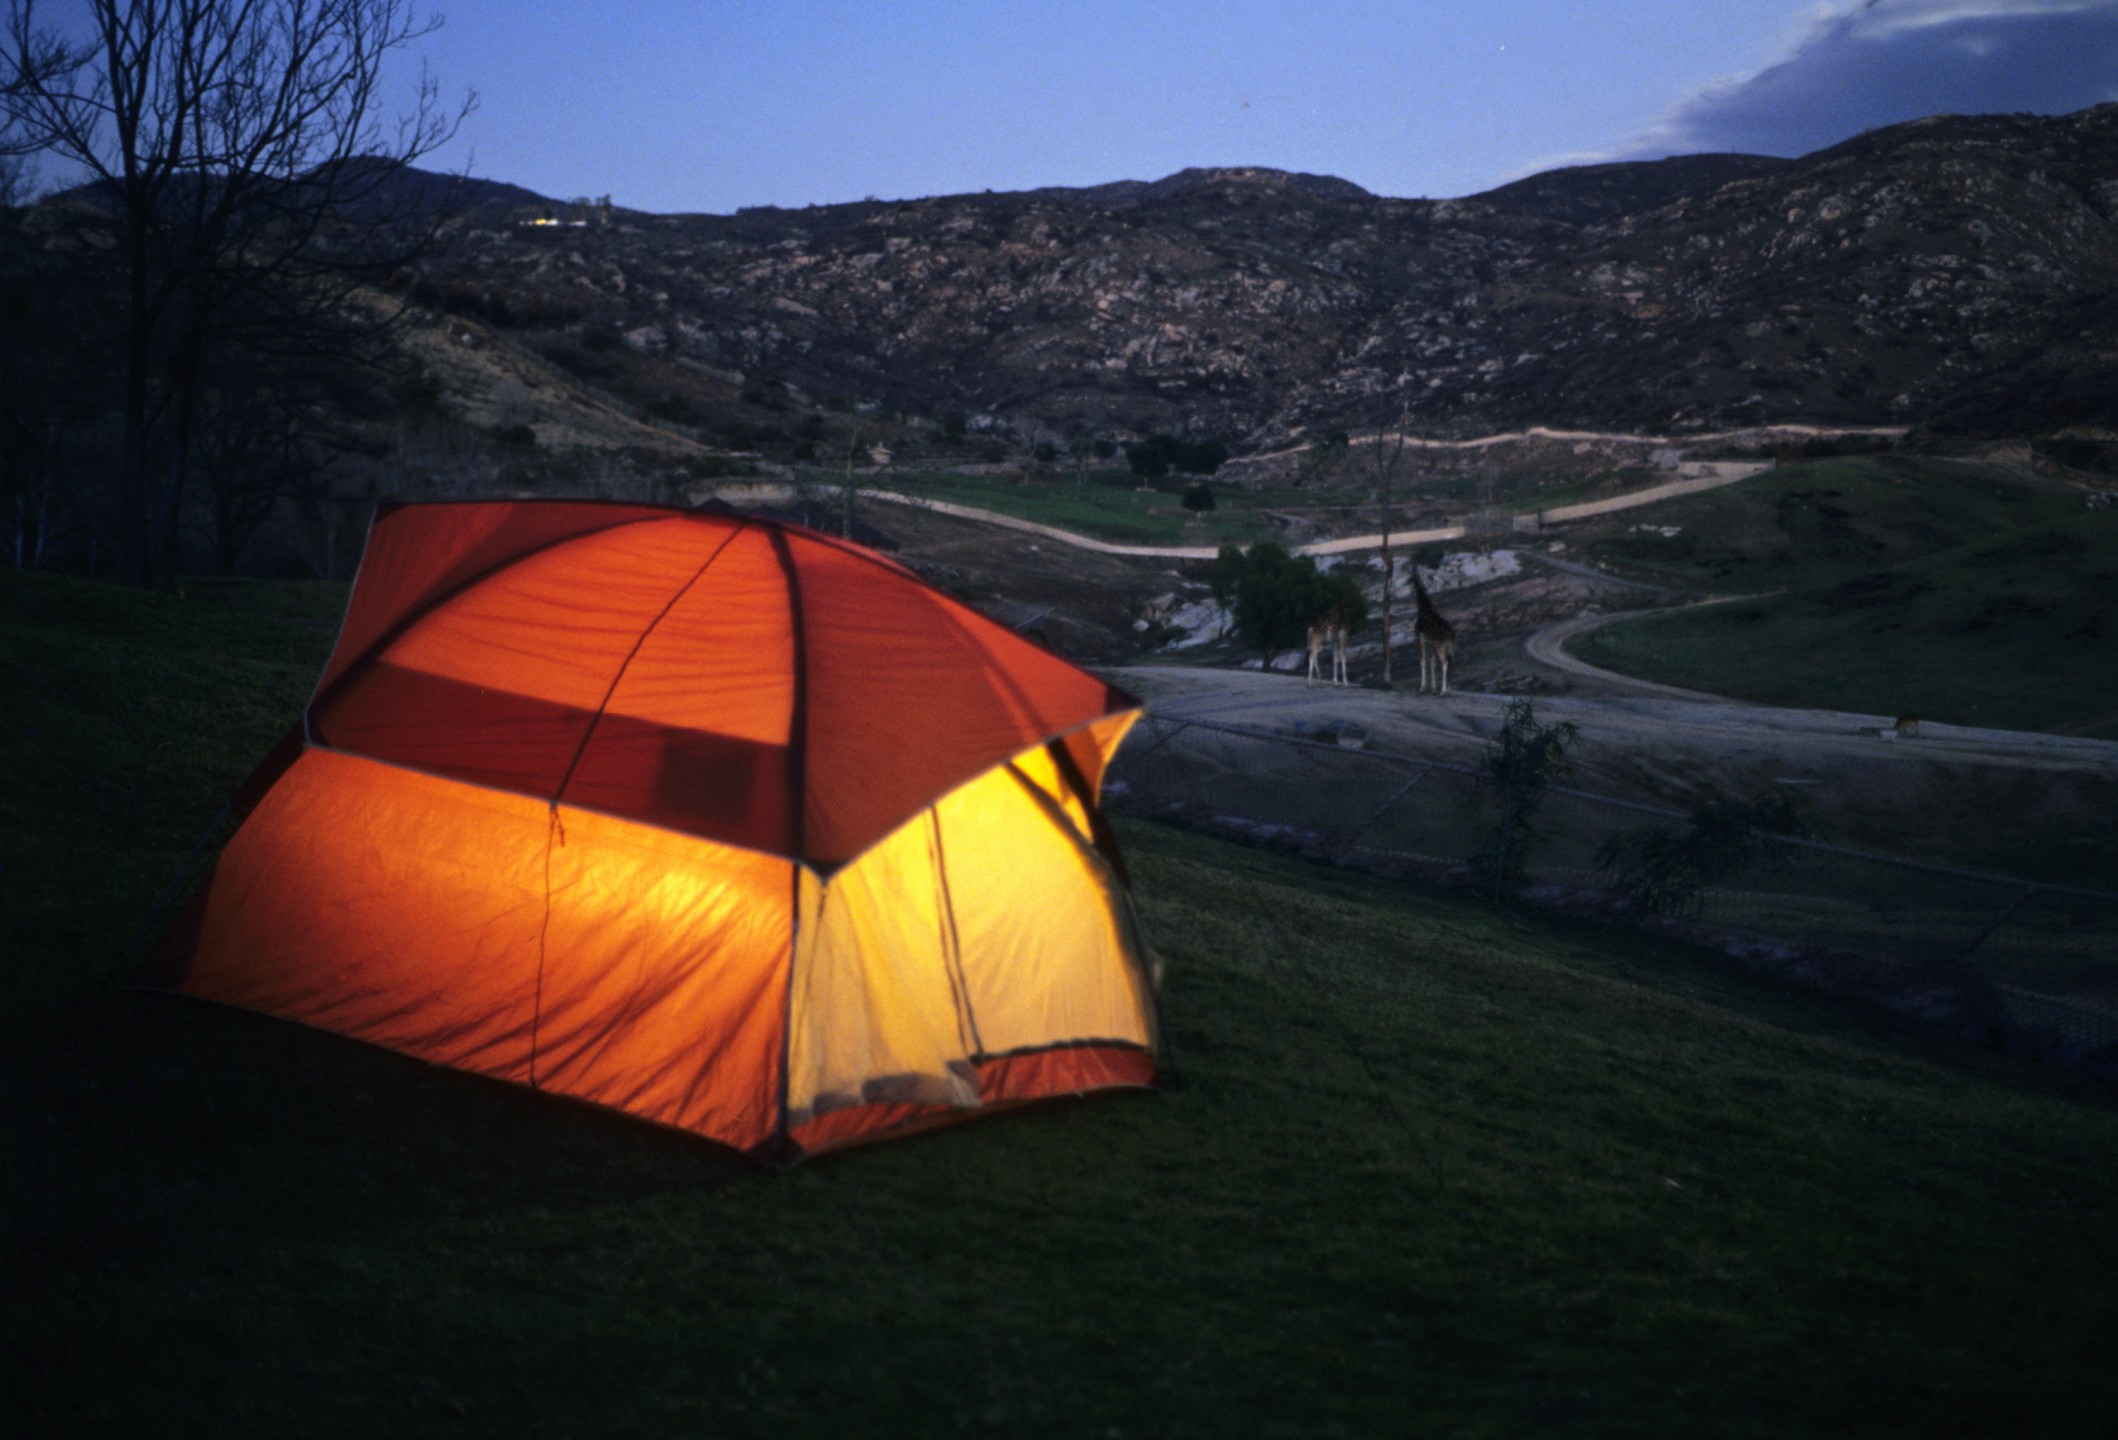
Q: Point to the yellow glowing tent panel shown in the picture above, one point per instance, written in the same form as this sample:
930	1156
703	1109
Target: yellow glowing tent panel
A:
722	823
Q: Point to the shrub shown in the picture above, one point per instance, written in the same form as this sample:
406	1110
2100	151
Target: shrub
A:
1199	497
672	408
1157	455
1524	760
714	467
1664	872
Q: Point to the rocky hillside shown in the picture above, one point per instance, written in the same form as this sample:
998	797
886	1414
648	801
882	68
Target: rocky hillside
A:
1954	272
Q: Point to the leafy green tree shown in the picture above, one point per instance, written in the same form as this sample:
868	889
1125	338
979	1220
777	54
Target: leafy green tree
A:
1224	573
1159	454
1150	458
1202	457
1273	596
1199	497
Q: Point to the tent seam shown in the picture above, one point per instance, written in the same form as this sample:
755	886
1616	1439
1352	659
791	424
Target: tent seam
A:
798	786
397	631
557	829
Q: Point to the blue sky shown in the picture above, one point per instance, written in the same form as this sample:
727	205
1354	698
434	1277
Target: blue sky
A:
714	104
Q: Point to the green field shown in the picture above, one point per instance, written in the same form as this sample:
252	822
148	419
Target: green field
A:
1432	1169
1820	522
2018	631
1108	505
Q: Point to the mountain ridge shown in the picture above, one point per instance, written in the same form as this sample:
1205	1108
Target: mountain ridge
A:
1955	270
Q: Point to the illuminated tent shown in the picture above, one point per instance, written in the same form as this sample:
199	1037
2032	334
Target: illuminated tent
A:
721	823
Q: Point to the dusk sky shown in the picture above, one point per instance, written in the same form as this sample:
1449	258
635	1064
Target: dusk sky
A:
708	105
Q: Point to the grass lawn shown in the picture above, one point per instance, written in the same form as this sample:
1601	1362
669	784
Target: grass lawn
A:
1820	522
1109	506
1432	1169
2018	631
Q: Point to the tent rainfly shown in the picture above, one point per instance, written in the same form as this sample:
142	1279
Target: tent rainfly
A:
718	822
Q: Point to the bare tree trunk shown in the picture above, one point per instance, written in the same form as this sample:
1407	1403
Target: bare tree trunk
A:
1389	585
1387	453
228	133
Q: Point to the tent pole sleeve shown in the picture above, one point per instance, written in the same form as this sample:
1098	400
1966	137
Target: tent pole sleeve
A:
639	640
1099	829
780	1149
798	811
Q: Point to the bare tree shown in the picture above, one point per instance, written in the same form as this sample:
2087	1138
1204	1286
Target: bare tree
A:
849	484
14	183
1383	458
233	140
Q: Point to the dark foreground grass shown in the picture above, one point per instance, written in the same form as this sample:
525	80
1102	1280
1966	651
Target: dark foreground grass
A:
2018	631
1433	1169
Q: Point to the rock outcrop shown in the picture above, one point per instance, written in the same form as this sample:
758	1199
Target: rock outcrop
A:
1951	271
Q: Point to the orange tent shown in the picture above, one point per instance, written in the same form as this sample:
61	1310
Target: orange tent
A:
719	822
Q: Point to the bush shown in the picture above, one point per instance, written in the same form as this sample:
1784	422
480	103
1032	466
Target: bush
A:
1523	761
672	408
1199	497
715	467
517	434
1157	455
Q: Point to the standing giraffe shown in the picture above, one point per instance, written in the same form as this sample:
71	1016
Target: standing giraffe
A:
1437	639
1329	628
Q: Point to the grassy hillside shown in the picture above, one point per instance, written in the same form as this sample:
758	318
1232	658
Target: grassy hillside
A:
1821	522
127	718
2019	631
1433	1169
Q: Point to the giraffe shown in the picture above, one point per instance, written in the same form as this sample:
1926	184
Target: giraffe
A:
1437	639
1329	628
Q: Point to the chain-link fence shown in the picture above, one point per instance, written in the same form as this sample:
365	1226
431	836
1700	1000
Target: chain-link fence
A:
2030	965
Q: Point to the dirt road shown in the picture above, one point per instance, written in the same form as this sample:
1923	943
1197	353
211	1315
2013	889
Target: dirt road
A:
1341	545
